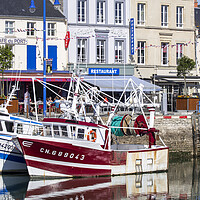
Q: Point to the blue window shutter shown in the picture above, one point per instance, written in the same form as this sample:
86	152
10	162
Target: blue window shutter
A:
31	57
52	53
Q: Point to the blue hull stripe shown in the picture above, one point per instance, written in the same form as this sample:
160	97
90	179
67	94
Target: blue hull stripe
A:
23	120
3	191
6	136
12	158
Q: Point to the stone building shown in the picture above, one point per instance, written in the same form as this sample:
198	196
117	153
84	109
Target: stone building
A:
164	32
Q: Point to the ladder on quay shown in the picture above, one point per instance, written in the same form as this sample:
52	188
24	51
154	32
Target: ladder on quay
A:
196	134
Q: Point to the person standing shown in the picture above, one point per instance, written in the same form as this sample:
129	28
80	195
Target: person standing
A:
27	101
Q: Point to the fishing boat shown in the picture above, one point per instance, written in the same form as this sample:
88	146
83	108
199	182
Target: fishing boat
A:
11	158
83	144
80	145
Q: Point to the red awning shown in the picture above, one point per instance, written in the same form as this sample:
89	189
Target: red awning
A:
30	80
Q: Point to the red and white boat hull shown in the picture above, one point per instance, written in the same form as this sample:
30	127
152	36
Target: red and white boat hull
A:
48	157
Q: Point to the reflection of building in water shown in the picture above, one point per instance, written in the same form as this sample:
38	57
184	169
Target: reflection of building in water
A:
117	187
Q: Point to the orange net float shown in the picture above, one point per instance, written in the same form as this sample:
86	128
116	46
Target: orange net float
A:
92	136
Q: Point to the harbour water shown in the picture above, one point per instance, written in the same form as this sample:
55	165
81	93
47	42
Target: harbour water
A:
182	181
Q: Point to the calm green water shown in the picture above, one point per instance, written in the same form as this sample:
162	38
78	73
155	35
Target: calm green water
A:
182	181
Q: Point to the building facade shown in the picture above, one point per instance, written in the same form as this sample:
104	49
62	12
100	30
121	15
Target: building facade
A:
99	36
23	31
164	32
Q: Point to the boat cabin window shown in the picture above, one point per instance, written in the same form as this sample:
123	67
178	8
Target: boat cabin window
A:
47	130
19	128
64	131
73	131
9	126
1	129
56	130
81	133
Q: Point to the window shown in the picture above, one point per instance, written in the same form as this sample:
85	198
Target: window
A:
119	12
73	131
141	52
1	129
164	53
9	126
179	17
164	15
64	131
101	7
141	14
47	130
30	28
119	51
82	51
56	130
101	56
9	27
81	133
179	51
51	29
82	11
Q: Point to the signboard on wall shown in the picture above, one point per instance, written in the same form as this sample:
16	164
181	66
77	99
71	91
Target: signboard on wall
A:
67	39
103	71
132	48
13	41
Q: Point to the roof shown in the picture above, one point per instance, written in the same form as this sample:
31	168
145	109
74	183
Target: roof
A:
20	8
118	83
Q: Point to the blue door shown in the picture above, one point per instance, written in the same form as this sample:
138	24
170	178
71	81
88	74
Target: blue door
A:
31	57
52	53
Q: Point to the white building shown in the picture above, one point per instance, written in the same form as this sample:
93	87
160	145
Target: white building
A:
99	32
24	32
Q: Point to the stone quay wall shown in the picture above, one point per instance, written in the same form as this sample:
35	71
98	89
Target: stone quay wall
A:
175	131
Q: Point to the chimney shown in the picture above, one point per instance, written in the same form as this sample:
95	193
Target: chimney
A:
195	3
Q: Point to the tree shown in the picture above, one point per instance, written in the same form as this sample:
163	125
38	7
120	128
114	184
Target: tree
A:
185	65
6	57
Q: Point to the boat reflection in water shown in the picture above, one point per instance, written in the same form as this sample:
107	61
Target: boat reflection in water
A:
146	186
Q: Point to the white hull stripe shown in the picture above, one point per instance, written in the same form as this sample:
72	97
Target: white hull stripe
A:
69	164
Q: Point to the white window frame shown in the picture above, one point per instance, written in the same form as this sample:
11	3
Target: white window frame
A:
179	51
164	15
141	52
101	12
82	50
51	29
179	16
101	51
30	29
9	27
81	11
165	58
141	14
119	12
119	51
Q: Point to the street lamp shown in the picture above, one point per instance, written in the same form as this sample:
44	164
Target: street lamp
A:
32	9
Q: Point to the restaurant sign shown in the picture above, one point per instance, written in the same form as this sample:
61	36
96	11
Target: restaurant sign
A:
13	41
103	71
